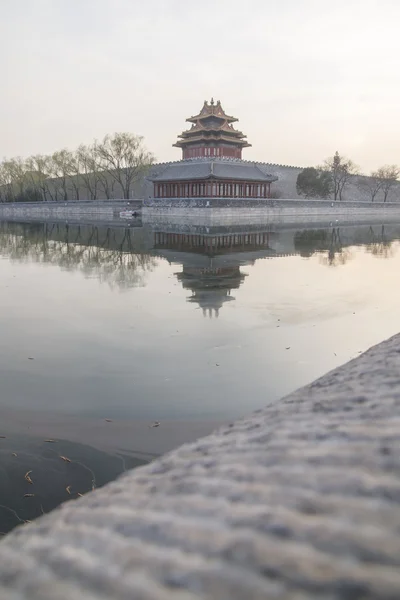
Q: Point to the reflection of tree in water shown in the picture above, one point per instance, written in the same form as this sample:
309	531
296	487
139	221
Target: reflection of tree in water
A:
310	241
380	246
113	255
334	251
325	242
336	254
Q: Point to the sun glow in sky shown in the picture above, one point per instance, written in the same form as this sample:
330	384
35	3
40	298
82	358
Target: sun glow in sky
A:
305	78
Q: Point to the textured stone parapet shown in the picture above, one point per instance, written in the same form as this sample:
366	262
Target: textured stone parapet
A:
291	206
104	210
228	211
300	500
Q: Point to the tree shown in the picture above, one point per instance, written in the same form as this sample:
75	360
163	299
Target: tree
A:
340	169
39	172
75	169
314	183
125	159
88	166
62	168
372	185
388	176
16	170
6	180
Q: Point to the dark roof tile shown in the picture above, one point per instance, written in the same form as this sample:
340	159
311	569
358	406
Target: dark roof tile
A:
213	169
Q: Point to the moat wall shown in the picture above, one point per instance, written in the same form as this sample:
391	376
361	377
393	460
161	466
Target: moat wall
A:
103	211
297	501
206	211
228	211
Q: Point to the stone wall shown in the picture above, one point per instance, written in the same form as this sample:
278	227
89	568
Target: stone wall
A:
299	501
229	211
219	211
62	211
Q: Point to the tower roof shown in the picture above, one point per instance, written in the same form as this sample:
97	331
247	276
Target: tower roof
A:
212	126
212	110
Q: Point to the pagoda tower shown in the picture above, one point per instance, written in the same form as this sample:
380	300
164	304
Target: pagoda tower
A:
212	134
211	169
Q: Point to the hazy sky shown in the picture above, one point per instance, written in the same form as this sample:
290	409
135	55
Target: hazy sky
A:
304	77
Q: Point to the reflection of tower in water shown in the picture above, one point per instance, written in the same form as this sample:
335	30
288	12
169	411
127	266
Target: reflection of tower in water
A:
211	263
211	286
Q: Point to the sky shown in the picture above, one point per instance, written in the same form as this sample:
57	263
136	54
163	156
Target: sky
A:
304	77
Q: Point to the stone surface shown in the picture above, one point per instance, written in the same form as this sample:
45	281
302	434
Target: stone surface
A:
227	211
95	211
298	501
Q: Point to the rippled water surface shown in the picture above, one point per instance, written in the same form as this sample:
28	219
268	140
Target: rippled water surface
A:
105	330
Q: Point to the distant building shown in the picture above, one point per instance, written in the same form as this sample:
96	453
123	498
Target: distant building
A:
212	165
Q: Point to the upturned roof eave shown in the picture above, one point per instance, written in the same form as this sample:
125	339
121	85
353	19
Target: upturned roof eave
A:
212	130
199	117
186	142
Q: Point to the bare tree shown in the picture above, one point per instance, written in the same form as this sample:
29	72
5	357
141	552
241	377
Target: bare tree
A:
61	169
39	172
88	168
341	170
6	178
106	182
372	185
16	171
75	169
388	176
3	184
125	159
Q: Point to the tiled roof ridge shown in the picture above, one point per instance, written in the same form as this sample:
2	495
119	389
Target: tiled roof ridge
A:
227	159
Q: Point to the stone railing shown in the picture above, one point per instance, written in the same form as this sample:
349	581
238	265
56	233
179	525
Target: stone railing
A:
300	500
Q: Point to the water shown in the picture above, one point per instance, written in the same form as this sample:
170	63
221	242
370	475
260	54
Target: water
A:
108	329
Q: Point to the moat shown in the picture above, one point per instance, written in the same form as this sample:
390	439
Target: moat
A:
107	331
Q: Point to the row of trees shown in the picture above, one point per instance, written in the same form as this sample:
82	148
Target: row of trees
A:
331	179
118	161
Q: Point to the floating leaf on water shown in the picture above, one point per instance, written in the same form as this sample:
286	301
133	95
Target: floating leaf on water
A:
28	478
